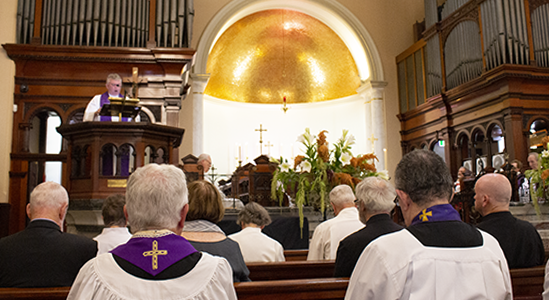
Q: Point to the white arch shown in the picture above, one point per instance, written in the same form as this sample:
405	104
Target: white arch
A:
330	12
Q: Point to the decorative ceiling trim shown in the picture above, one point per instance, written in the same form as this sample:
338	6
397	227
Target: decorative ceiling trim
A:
332	13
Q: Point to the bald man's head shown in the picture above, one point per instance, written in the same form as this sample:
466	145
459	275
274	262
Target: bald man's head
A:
492	193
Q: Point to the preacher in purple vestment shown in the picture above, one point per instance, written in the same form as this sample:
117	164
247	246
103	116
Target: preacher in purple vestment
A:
114	84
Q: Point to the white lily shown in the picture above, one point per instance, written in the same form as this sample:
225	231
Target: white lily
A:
545	154
305	166
346	158
383	174
285	167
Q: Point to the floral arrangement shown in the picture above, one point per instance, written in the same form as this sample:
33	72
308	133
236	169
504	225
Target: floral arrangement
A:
313	174
539	178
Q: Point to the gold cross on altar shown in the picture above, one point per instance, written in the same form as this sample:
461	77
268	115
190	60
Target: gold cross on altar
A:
373	139
261	137
135	81
154	253
269	145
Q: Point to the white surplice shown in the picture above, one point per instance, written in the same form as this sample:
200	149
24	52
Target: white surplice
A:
112	237
258	247
102	278
398	266
328	234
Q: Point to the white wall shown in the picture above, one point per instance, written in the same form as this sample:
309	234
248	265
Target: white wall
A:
228	125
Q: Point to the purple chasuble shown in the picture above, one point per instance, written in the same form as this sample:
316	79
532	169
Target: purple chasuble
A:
154	251
105	100
436	213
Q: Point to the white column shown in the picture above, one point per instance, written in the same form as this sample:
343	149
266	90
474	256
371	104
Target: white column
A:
199	85
378	133
364	94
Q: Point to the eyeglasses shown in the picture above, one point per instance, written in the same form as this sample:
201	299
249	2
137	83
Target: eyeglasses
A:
356	201
397	200
115	84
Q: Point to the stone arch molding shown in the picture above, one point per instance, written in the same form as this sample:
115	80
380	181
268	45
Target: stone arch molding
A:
342	21
330	12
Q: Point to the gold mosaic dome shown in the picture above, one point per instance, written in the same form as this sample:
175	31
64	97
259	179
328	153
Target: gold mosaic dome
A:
280	53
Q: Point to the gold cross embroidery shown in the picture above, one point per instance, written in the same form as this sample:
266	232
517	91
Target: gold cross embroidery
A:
425	214
154	253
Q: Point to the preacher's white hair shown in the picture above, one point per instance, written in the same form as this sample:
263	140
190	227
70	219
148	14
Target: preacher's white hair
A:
50	195
342	195
113	76
155	195
376	194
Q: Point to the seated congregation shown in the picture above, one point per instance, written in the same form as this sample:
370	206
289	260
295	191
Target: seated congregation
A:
178	250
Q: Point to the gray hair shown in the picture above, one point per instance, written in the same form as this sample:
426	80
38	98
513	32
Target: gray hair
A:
50	195
255	214
113	76
376	194
423	175
155	196
535	154
204	156
341	195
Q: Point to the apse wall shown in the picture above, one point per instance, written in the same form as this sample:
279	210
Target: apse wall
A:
228	125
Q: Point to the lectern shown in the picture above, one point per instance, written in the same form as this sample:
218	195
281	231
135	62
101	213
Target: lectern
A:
101	155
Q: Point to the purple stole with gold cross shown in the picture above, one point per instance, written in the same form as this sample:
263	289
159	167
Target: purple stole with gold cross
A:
437	213
155	250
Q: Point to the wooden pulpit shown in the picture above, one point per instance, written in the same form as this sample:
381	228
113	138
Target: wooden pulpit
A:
193	171
102	155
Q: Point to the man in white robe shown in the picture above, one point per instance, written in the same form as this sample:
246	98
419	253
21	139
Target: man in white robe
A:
437	256
327	234
157	262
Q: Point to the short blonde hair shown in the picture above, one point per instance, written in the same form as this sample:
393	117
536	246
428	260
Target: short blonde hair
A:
205	202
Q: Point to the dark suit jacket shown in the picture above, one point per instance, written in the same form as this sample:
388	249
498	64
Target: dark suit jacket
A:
351	247
519	240
43	256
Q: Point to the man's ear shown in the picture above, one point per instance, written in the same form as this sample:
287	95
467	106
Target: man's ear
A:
63	211
184	212
404	200
126	212
29	211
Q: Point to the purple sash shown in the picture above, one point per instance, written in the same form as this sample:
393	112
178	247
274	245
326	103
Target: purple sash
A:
154	251
105	100
436	213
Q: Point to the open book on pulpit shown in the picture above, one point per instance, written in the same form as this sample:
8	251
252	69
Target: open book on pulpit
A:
121	107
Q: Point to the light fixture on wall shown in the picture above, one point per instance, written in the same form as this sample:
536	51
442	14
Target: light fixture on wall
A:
284	107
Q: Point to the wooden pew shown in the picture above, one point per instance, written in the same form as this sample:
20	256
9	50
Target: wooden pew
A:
52	293
293	255
291	270
317	289
528	283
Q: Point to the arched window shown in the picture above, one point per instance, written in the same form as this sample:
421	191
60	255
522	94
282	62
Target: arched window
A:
44	139
538	130
479	150
439	148
497	147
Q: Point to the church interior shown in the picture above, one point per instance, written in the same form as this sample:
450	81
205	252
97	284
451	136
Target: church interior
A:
244	80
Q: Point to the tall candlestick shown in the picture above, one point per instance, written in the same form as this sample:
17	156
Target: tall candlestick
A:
385	157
